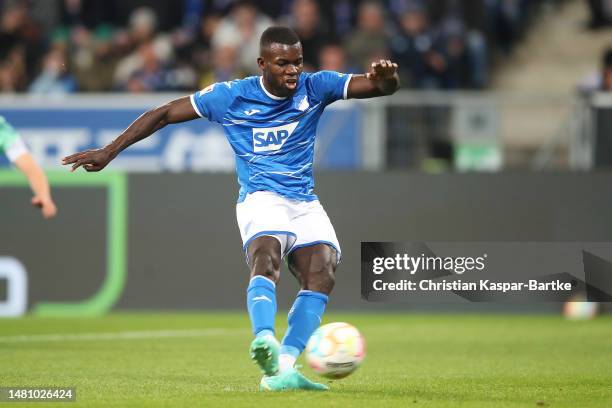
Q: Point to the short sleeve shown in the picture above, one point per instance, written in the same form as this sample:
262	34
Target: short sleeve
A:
10	142
16	149
331	86
213	101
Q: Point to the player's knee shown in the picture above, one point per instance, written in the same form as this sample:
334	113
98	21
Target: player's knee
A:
265	264
321	279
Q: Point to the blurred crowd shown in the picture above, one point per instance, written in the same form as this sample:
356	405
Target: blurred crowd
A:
600	14
64	46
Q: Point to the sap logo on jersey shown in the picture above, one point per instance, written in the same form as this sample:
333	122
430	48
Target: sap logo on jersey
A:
271	139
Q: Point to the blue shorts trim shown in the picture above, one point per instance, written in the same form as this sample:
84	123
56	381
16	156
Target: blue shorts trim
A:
293	248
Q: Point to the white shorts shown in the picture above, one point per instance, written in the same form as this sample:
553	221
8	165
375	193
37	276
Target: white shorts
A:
295	224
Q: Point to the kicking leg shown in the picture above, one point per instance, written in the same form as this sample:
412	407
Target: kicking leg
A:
314	267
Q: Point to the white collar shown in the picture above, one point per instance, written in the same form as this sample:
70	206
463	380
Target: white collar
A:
277	98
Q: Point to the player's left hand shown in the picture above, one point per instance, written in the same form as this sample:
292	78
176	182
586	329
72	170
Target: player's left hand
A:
381	70
46	205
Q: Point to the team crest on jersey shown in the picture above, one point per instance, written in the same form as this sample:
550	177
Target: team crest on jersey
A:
303	104
272	139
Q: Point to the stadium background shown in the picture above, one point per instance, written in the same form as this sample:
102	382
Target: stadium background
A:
500	132
78	72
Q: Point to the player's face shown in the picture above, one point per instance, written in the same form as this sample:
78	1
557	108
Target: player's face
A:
281	65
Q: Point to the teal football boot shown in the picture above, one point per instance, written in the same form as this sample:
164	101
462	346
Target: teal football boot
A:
290	380
264	351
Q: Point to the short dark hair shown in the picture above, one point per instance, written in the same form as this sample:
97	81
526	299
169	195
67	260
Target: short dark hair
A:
278	34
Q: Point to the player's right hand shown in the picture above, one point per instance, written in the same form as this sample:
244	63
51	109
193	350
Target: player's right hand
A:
91	160
46	205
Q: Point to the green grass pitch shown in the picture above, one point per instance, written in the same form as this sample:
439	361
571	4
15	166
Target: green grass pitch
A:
201	359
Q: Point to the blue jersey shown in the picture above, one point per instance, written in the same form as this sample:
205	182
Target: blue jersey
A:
273	138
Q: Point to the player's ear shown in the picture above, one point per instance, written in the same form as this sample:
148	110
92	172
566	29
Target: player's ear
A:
261	63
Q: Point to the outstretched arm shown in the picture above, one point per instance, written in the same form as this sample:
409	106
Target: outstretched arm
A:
382	79
39	184
176	111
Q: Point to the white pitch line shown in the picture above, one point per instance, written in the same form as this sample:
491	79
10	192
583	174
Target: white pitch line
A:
126	335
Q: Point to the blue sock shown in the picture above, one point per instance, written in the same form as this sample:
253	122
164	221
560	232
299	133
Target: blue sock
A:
261	303
304	318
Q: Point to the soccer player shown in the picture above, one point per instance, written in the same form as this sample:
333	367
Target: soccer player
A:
270	122
18	154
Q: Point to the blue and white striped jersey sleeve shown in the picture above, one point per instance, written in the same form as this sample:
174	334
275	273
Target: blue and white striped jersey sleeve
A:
213	101
331	86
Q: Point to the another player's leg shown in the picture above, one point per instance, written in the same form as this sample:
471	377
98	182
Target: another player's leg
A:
314	267
264	255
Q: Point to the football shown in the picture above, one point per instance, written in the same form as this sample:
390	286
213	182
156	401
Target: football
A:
335	350
577	308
